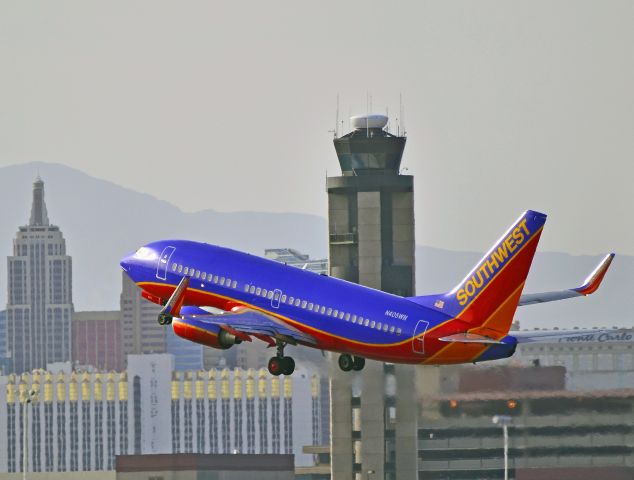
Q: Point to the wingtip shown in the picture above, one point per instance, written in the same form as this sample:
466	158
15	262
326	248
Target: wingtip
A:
593	282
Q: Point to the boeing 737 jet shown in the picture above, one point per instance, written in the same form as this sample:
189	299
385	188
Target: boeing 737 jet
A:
267	301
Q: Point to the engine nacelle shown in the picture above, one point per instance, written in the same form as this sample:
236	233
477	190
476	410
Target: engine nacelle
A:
227	340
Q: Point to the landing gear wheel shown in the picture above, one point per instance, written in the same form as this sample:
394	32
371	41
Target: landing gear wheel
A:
276	366
289	365
345	362
358	364
164	319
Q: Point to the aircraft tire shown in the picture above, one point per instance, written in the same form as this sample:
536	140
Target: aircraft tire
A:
289	365
358	364
345	362
276	366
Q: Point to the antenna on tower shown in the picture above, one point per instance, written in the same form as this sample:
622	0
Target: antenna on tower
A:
402	113
337	119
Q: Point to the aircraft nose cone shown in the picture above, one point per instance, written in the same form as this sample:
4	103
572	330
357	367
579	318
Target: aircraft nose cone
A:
126	263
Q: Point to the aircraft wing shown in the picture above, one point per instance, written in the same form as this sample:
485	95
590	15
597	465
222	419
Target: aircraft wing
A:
552	336
244	323
590	285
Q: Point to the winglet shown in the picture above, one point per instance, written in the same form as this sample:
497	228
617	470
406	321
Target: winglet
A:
592	283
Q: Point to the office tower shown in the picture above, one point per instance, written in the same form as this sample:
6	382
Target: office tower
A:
40	305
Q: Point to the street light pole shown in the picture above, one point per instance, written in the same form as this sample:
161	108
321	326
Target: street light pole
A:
504	421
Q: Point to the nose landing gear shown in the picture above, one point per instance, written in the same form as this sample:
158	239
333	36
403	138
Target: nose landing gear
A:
164	319
281	365
348	362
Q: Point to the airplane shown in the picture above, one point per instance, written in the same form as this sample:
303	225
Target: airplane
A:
220	297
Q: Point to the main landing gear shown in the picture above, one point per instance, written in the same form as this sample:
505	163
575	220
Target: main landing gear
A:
348	362
281	365
164	319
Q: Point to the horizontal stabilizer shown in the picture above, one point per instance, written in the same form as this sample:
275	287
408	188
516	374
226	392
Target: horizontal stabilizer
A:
590	285
470	338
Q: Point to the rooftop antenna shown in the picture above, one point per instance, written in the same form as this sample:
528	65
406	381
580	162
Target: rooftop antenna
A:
367	114
387	114
402	114
337	119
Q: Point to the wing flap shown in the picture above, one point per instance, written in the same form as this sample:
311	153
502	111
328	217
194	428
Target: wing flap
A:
244	321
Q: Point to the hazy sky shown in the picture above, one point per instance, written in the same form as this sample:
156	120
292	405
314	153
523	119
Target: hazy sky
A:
228	105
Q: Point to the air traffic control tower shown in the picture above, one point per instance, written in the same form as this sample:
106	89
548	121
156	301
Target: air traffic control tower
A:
371	209
371	242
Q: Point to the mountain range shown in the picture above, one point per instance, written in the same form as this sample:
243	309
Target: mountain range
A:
102	221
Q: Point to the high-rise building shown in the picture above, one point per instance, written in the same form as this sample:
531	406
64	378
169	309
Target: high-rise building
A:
40	305
97	340
290	256
79	421
371	240
140	331
187	355
4	358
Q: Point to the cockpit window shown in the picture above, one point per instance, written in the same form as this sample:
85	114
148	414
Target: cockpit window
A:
145	253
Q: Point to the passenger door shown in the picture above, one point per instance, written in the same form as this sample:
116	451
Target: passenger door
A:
164	259
418	342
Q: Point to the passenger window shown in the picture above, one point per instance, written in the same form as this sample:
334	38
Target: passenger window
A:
186	270
215	278
297	302
252	289
270	295
341	315
398	331
354	318
222	280
379	325
392	329
197	274
291	300
277	296
372	323
283	298
180	269
246	288
322	309
310	306
304	304
360	319
366	323
204	275
385	327
335	313
347	317
173	267
234	284
258	291
329	311
264	292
